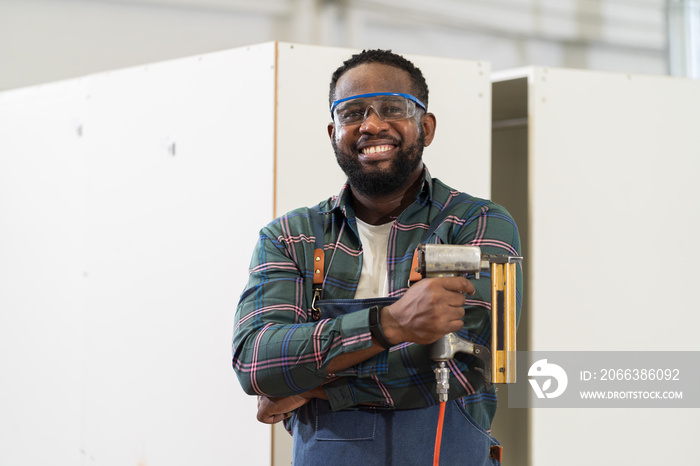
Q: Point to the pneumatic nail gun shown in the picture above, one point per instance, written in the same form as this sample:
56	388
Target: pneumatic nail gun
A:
446	260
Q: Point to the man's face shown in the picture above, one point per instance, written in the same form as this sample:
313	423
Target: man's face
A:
378	156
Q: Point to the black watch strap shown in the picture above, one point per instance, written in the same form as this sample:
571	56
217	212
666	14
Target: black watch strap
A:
375	327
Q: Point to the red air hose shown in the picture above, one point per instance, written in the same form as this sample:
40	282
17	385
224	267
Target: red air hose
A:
438	435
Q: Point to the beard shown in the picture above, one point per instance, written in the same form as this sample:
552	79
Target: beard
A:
381	182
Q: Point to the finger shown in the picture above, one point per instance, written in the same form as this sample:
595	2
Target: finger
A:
459	285
455	299
455	326
453	313
279	418
471	289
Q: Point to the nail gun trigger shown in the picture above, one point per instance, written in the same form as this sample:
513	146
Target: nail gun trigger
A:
487	382
483	355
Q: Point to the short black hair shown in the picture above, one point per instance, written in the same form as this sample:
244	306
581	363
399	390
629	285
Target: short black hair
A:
385	57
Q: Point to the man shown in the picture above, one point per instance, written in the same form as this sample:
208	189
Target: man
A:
352	378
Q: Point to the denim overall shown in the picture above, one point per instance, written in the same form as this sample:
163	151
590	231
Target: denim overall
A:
369	436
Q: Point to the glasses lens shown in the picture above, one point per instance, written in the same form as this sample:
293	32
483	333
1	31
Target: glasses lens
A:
387	108
351	111
393	108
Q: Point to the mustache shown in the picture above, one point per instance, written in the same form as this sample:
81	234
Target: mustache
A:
384	136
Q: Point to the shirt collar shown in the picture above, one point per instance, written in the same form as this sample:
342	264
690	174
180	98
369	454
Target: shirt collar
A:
342	202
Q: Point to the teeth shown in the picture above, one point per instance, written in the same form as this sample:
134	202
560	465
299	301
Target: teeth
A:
375	149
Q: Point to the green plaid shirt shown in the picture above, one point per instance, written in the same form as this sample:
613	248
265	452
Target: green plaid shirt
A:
279	350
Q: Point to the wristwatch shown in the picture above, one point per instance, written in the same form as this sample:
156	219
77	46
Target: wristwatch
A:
375	327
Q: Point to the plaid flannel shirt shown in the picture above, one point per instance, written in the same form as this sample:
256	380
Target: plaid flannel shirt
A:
279	350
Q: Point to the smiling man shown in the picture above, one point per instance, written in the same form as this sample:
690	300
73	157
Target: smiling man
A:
328	332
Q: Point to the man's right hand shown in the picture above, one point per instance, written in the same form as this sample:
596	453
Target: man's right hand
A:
272	410
429	310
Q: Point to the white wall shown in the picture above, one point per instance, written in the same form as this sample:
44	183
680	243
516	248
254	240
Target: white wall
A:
128	216
46	40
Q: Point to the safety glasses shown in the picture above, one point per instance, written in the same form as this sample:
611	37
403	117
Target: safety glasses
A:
388	106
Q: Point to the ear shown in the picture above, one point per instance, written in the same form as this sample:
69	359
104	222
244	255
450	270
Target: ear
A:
331	131
429	123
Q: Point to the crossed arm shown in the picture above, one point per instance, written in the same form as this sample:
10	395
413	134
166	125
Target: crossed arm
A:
428	310
287	360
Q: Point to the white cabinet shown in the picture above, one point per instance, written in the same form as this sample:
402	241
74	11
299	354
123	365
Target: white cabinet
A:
609	210
129	205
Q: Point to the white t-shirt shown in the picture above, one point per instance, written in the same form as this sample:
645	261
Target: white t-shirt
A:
373	282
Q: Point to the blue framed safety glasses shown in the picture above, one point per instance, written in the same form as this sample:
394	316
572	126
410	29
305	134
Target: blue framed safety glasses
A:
388	106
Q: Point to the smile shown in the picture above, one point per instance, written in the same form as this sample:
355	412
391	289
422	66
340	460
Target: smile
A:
376	149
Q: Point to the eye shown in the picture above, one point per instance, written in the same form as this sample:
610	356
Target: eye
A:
392	108
351	113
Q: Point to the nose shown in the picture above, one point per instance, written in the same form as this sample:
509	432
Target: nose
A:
372	123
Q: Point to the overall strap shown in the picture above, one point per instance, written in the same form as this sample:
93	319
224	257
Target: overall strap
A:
447	210
319	260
